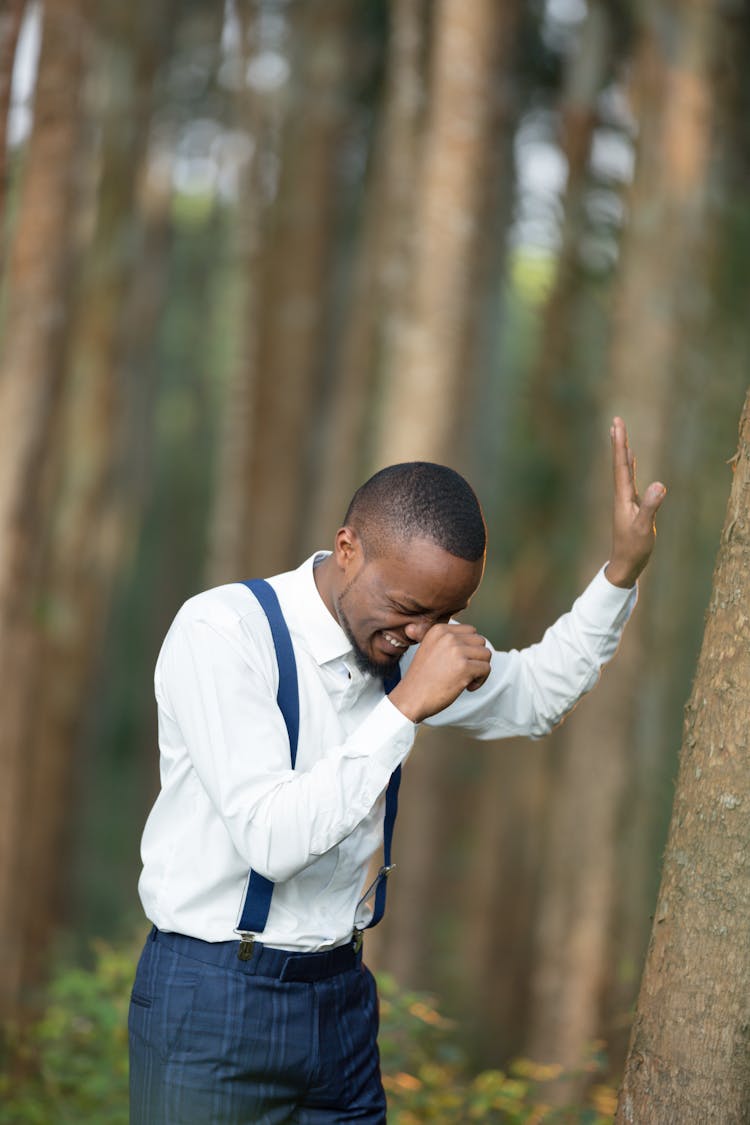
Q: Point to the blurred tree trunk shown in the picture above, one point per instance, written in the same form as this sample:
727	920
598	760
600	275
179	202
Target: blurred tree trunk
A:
229	545
586	72
380	289
574	951
426	383
295	287
97	508
11	16
710	374
426	388
562	400
688	1051
31	383
164	383
506	842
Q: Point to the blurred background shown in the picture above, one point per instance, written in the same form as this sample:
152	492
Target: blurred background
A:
252	251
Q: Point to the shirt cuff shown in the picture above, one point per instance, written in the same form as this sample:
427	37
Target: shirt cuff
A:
602	601
386	736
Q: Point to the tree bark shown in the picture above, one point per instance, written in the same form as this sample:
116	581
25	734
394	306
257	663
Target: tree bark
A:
426	388
97	509
688	1050
31	381
228	548
10	25
507	847
294	292
382	274
557	407
710	371
563	398
574	961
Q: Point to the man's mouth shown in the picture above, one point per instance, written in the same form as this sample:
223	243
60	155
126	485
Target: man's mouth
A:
394	642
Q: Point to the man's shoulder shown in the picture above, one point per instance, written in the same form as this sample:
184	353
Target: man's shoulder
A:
233	611
227	607
216	622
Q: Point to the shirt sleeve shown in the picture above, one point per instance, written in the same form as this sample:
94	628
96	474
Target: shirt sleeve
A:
528	692
218	718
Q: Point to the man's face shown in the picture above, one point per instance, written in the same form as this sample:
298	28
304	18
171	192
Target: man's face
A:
389	602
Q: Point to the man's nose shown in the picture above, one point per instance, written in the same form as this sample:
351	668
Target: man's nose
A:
416	630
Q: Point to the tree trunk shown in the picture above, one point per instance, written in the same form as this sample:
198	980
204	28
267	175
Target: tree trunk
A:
510	803
710	377
426	386
31	381
294	294
10	25
382	273
580	889
426	390
556	407
229	539
507	847
688	1050
96	508
563	397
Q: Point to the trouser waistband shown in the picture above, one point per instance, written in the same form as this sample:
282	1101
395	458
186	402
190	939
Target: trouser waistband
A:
282	964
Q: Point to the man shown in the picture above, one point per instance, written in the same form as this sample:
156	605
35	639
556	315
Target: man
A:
251	1003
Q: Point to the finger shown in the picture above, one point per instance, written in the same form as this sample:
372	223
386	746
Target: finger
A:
476	642
415	632
458	629
633	482
472	653
622	466
478	680
650	504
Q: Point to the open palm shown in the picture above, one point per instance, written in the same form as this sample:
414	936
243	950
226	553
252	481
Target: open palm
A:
633	518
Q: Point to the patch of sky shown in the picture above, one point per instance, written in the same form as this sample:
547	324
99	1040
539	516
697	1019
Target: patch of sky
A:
20	113
562	19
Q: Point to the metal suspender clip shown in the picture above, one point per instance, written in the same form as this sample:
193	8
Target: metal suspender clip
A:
356	940
383	873
245	950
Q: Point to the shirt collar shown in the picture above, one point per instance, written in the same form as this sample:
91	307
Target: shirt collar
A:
307	614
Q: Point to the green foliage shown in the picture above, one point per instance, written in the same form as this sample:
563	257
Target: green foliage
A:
426	1078
71	1066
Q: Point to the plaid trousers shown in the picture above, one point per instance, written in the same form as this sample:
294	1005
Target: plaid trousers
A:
281	1038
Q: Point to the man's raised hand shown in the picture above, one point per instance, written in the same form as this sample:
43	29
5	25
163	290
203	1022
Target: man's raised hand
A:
633	526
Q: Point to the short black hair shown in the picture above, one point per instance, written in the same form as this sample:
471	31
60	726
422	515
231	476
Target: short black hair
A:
418	500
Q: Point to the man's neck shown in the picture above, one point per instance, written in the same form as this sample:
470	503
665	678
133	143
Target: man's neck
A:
324	573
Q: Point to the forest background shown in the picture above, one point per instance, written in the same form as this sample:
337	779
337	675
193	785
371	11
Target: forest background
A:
253	251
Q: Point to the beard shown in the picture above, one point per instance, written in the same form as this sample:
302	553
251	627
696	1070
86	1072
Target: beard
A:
381	669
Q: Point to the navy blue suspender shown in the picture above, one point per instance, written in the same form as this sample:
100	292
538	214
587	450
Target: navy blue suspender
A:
257	902
259	889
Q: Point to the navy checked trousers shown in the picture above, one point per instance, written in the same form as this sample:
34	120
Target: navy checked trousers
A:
219	1041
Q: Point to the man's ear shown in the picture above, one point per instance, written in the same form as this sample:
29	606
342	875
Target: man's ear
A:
347	548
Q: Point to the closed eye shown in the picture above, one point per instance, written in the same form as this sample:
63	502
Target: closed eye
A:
418	611
408	610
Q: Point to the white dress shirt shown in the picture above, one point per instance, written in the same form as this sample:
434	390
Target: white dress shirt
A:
229	799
